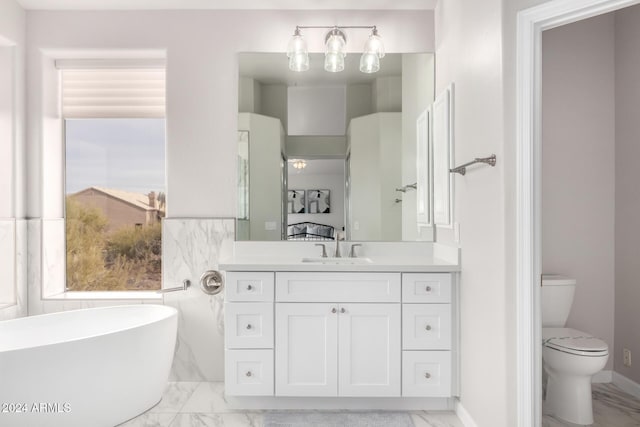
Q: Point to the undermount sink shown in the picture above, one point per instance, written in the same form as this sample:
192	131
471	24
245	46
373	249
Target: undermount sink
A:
332	260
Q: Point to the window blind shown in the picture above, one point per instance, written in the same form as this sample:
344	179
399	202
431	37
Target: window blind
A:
112	91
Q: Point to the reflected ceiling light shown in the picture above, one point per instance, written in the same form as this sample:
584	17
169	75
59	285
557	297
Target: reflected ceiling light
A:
298	163
335	50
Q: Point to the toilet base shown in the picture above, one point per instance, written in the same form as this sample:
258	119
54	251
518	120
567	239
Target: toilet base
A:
569	398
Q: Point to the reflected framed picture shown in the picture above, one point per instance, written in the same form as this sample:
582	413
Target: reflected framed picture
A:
319	201
296	202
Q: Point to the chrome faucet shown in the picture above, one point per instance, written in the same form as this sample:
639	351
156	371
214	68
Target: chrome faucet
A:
337	254
352	252
324	249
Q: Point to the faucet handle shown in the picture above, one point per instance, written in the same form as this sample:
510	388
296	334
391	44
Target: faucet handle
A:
352	252
324	249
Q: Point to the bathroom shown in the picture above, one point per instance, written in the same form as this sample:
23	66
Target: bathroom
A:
587	218
475	49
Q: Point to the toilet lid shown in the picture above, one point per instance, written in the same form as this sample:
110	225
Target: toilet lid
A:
585	346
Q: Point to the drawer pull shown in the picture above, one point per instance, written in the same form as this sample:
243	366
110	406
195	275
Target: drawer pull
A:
428	327
333	310
249	326
249	373
249	287
427	375
428	288
342	310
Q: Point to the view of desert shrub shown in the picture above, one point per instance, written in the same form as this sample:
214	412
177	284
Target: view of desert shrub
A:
125	259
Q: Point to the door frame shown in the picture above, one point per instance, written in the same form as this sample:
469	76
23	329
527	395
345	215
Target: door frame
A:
530	25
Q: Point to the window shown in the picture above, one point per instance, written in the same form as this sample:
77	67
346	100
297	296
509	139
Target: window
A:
115	199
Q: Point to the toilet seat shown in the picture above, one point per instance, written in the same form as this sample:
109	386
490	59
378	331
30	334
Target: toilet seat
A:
574	342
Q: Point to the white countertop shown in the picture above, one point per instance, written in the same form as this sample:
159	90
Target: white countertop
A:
425	257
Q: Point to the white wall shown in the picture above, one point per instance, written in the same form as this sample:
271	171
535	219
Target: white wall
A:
201	79
578	168
627	198
375	167
13	285
386	94
469	54
266	143
417	93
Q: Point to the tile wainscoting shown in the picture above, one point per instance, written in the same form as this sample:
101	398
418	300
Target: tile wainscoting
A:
191	247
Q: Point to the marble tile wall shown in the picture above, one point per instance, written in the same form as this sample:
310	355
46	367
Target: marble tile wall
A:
13	265
190	247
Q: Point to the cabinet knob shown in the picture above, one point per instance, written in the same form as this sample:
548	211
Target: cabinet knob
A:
342	310
428	327
249	373
428	288
249	287
427	375
333	310
249	326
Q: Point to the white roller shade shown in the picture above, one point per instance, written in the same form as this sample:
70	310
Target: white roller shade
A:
113	93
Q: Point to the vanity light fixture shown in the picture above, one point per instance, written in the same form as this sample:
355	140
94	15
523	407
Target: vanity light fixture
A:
335	43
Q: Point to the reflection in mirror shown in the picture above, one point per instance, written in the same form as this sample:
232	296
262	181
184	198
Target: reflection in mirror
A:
348	141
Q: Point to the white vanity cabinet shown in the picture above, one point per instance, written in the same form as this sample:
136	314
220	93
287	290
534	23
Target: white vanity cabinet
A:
337	334
427	334
249	334
340	334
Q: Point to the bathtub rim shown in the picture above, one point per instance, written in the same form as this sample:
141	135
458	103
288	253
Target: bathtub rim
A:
170	312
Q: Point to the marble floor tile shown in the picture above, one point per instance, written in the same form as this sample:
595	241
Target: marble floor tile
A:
150	420
435	419
208	398
611	408
203	404
174	397
217	420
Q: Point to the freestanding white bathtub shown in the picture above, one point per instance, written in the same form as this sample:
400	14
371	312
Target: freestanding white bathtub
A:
94	367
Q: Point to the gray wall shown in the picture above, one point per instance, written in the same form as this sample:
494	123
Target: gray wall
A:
578	168
627	229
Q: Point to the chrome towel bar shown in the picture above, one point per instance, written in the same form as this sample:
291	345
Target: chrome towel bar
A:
462	169
186	283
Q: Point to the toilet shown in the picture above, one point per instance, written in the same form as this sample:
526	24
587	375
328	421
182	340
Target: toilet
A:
569	357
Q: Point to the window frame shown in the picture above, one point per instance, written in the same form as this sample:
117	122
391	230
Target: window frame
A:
52	230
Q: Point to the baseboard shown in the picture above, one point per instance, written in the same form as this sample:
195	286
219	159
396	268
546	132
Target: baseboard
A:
626	385
464	416
602	377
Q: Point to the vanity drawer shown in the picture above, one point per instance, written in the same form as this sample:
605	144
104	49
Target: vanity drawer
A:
248	325
426	287
249	286
248	372
426	373
426	327
337	287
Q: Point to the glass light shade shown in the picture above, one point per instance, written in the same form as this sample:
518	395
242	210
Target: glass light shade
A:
299	62
334	62
374	45
369	62
335	44
296	45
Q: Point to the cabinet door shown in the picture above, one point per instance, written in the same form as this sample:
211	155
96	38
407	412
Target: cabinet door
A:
370	353
306	349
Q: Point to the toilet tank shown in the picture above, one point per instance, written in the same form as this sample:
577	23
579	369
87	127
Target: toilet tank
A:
557	298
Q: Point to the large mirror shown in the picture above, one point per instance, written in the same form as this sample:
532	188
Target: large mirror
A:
322	154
